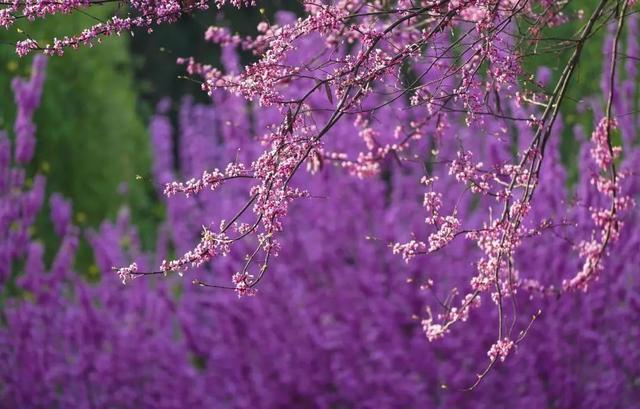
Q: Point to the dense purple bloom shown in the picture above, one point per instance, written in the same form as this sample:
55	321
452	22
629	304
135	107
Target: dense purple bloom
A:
61	213
27	96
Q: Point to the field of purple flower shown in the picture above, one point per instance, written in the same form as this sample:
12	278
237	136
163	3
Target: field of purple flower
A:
367	304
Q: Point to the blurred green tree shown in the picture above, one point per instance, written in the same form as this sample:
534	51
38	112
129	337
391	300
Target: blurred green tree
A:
91	140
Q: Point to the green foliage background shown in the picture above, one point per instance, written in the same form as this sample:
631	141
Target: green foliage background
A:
91	140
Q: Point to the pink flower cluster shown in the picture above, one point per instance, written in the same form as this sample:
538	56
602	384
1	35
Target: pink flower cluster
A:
126	274
211	180
608	221
603	154
501	349
211	245
144	14
466	171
